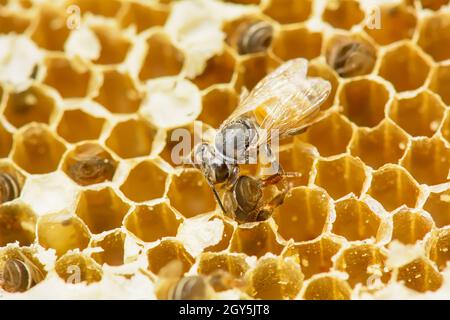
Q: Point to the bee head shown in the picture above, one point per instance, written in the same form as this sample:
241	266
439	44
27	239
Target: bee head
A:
211	164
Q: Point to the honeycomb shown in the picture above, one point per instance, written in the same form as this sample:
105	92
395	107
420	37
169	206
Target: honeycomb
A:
94	205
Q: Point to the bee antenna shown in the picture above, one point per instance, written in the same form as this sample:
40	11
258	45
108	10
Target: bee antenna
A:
216	195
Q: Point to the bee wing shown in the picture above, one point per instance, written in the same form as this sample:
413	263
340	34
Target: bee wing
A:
285	101
295	109
295	68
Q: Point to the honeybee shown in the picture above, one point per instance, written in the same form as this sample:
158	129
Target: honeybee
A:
172	285
19	274
282	104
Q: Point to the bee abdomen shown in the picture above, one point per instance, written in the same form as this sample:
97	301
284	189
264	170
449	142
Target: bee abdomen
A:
9	187
16	276
255	38
189	288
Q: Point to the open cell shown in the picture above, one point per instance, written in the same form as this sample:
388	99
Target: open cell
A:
114	45
112	246
439	248
297	42
101	210
420	275
118	93
251	70
76	268
143	16
69	77
378	146
419	115
428	160
343	14
360	262
151	223
106	8
255	240
411	225
13	22
190	193
289	11
17	224
398	23
297	163
37	150
249	34
304	214
219	70
434	36
438	205
89	163
445	130
31	105
50	31
327	287
234	264
341	176
77	125
145	182
221	268
275	278
62	232
217	105
364	101
405	67
393	187
132	138
163	58
440	82
315	256
350	55
429	4
355	220
167	251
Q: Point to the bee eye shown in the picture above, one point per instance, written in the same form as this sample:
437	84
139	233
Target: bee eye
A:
221	172
256	37
247	193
